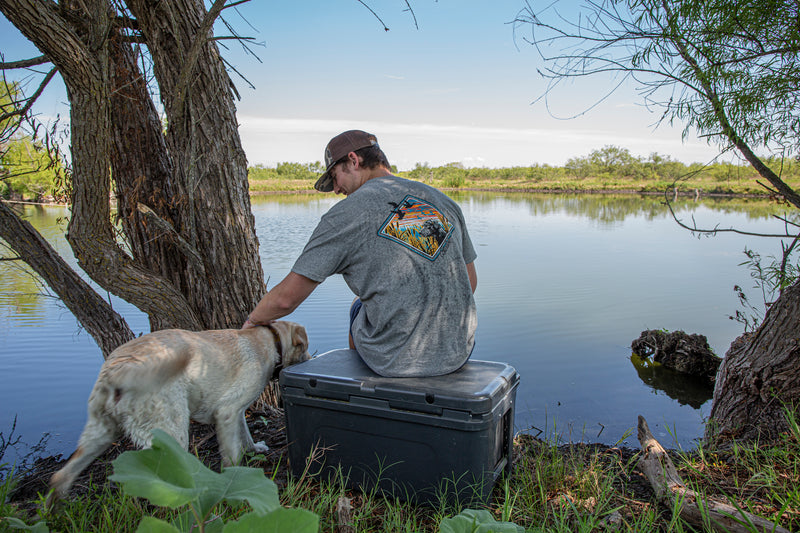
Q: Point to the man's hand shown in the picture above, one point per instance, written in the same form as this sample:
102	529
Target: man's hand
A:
250	324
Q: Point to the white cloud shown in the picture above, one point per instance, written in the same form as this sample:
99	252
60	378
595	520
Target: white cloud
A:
269	141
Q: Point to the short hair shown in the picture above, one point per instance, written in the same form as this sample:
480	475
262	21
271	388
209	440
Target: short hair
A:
373	157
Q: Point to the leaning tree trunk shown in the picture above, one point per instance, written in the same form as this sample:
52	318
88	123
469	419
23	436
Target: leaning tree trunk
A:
760	377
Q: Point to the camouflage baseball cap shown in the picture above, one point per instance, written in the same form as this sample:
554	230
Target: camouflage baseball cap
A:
338	148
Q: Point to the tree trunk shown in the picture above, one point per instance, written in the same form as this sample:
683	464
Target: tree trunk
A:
191	259
760	377
203	138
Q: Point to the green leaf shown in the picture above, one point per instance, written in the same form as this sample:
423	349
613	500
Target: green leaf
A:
278	521
38	527
169	476
150	524
165	474
240	484
477	521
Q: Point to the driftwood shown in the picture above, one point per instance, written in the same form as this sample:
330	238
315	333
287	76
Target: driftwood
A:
344	513
692	507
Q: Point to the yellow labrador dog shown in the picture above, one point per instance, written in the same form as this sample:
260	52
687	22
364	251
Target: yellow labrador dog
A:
164	378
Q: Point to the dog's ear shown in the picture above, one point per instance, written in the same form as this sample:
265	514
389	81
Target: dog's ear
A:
299	336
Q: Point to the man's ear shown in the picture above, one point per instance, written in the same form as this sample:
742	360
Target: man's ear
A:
353	158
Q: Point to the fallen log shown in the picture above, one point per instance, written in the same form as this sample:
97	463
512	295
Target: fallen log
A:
692	507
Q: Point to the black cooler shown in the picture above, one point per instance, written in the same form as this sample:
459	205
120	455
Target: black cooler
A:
418	439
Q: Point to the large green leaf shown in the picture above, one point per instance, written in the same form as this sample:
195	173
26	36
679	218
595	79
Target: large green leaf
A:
278	521
150	524
477	521
165	474
240	484
38	527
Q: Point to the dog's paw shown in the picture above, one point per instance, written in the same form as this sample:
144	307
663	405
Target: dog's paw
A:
260	447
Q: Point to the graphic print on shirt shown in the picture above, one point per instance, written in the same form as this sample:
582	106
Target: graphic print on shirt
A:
417	225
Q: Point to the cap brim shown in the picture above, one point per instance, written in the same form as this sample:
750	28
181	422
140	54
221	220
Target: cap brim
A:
324	183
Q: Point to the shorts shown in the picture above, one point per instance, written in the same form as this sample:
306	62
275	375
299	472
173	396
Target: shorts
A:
354	309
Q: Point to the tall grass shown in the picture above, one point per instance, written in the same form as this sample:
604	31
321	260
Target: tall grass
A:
573	487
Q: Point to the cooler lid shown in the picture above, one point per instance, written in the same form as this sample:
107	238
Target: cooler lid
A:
341	374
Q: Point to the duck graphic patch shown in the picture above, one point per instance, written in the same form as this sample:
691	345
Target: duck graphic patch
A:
417	225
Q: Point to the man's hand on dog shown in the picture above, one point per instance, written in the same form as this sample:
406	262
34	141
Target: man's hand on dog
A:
250	324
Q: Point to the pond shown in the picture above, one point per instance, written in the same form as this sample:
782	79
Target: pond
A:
565	284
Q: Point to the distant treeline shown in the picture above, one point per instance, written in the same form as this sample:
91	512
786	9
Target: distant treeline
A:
608	163
26	173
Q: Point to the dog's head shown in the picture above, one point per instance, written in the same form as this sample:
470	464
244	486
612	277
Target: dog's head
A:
293	342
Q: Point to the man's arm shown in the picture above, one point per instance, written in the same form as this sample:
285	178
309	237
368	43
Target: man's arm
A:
473	275
281	300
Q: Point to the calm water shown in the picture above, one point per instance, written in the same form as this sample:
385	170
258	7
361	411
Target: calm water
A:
565	284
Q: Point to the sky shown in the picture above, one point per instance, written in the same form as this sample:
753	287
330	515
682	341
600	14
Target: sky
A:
459	86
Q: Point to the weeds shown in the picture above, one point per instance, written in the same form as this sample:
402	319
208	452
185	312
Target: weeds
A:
574	487
769	279
24	460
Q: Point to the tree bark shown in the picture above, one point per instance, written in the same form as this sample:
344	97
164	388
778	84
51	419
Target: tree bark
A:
203	138
759	378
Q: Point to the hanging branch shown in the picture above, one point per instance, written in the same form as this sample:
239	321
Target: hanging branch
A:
22	111
413	15
385	27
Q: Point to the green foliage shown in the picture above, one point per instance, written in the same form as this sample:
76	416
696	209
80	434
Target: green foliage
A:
769	279
28	167
726	68
477	521
168	476
38	527
608	169
286	171
608	161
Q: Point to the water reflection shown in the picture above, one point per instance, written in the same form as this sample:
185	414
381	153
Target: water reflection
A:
566	281
685	389
610	208
22	293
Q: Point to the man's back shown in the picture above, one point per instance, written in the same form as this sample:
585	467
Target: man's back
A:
402	247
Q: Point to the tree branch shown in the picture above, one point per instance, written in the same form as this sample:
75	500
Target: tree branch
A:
169	232
24	63
182	88
727	129
23	111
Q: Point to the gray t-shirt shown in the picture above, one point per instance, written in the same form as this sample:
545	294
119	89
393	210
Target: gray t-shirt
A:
402	247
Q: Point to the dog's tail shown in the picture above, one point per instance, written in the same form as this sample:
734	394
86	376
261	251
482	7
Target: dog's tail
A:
144	374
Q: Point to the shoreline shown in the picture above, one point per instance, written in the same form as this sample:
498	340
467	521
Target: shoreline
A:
696	193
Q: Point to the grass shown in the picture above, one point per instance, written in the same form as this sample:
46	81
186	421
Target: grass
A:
698	184
574	487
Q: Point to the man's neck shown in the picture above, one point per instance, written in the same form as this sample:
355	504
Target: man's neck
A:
377	172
